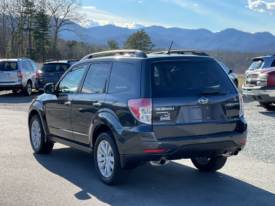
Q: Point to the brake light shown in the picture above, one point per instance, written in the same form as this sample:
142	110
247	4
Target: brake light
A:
37	74
20	74
141	109
241	112
154	150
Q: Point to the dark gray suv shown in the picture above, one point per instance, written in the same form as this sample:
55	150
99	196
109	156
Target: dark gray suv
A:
129	109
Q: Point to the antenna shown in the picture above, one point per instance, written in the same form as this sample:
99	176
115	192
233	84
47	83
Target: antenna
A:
170	48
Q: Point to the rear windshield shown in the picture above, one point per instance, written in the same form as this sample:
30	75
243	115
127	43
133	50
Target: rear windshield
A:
188	78
54	67
256	64
8	66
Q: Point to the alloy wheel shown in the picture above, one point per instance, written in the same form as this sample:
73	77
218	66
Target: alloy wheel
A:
105	158
36	134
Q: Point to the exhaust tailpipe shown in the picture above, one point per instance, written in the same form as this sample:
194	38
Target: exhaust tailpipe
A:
161	162
236	153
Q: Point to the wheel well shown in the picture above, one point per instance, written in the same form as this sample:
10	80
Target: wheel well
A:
101	128
33	112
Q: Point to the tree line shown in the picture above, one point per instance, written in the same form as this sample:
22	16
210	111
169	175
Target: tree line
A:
31	28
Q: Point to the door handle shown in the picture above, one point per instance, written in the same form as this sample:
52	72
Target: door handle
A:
97	104
68	103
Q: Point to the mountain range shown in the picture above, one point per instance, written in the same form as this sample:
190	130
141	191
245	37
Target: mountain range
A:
228	39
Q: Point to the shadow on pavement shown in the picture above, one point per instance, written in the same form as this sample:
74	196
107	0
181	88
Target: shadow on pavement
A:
269	114
9	97
172	184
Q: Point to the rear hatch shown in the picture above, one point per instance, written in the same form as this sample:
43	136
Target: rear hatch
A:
51	72
192	98
8	72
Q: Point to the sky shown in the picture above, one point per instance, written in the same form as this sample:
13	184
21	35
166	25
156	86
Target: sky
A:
215	15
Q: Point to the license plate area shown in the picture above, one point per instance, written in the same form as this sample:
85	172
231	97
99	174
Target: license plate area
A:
200	113
4	76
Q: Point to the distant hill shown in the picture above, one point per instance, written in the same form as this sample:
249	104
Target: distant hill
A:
228	39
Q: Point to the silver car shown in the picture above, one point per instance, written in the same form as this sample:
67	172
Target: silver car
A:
230	73
18	75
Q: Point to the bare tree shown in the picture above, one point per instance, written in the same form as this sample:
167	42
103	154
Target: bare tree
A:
4	28
65	14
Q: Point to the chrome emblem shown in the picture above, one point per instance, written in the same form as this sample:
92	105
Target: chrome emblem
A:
165	117
203	100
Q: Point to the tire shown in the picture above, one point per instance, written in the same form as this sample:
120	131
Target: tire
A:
267	105
209	164
28	90
236	83
116	175
38	144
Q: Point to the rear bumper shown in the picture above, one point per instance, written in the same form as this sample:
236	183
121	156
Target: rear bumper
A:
11	87
264	94
186	147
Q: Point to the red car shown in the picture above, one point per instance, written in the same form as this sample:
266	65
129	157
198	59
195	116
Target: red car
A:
260	86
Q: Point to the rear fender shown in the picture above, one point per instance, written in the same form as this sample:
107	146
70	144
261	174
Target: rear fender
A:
108	118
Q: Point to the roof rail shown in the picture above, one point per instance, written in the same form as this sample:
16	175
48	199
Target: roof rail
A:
23	58
130	53
51	60
182	51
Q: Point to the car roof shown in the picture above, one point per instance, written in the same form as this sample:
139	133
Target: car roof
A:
15	60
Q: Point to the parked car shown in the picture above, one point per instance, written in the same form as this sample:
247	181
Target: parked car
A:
129	108
18	75
262	89
259	63
51	71
230	73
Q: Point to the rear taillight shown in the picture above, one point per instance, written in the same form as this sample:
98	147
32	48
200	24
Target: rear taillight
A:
37	74
241	112
141	109
155	150
20	74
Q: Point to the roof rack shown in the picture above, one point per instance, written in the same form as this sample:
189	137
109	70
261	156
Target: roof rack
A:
51	60
183	51
129	53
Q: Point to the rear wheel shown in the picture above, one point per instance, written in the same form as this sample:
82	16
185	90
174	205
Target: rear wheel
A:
209	164
107	160
28	90
37	137
268	105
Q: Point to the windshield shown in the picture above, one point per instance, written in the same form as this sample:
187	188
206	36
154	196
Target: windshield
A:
189	78
54	67
256	64
8	66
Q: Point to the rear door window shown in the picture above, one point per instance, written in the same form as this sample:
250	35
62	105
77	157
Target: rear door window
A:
257	64
188	78
29	66
122	77
54	67
97	78
8	66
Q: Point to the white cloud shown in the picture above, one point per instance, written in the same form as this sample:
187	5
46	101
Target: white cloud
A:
88	7
262	6
140	2
195	4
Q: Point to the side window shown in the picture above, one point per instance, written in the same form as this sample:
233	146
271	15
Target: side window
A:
122	77
24	65
72	79
97	77
34	65
273	64
29	66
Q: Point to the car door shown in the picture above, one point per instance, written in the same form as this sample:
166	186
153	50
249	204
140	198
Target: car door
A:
90	100
58	109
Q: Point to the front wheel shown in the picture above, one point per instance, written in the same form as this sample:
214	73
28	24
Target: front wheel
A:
37	137
209	164
268	105
107	160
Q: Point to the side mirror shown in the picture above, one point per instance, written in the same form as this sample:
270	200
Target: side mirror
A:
49	88
230	71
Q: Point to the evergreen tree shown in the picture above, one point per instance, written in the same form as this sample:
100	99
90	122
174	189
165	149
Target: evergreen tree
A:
41	29
139	40
113	44
28	16
71	44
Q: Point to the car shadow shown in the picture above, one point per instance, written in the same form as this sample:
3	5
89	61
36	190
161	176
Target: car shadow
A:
9	97
268	113
172	184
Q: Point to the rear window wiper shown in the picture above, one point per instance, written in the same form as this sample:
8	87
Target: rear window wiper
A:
211	93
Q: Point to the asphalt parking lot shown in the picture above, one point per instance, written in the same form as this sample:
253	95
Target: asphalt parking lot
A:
67	176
